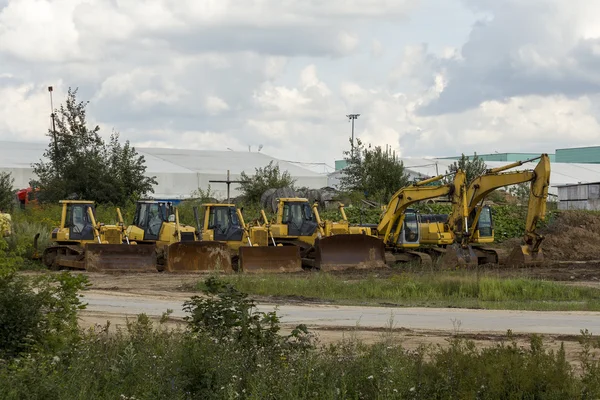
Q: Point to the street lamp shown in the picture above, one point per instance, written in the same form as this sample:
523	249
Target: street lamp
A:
352	117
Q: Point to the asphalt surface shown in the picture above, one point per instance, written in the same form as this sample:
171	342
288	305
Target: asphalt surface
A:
447	319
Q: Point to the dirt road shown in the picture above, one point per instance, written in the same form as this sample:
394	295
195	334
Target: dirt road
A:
442	319
115	298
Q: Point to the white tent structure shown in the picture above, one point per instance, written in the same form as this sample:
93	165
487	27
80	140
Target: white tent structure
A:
561	173
178	172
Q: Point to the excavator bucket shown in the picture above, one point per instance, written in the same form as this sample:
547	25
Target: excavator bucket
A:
200	256
523	255
119	258
257	259
457	256
344	251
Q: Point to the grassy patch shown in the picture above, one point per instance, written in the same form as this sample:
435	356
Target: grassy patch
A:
454	289
228	350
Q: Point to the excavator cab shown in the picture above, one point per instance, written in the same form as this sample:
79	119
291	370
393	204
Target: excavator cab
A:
409	235
484	231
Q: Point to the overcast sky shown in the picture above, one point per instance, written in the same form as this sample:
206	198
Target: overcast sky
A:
429	77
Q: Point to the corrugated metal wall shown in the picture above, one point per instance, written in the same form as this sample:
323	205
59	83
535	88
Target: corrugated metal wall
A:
579	155
579	197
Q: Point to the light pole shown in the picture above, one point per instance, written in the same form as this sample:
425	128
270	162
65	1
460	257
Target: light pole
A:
352	117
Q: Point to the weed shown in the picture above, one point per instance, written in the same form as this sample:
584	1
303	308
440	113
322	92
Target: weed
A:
457	289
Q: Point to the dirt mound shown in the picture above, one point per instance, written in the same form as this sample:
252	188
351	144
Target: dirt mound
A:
572	235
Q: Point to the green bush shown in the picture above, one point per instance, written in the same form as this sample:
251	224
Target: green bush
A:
38	313
229	350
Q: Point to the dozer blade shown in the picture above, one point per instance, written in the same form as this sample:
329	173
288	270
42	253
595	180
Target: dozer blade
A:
201	256
344	251
258	259
120	257
457	256
522	255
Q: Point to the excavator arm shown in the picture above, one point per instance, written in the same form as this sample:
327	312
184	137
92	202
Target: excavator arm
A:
391	222
538	193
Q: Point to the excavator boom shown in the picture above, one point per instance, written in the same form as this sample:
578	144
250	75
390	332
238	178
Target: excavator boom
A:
529	252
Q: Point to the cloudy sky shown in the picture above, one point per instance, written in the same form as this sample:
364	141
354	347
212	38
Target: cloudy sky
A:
429	77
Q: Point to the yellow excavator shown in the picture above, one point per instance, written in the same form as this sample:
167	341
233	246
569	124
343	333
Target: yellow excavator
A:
249	247
399	227
82	243
178	247
447	230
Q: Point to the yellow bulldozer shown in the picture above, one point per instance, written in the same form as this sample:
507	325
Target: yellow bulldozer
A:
451	233
322	245
82	243
178	247
249	247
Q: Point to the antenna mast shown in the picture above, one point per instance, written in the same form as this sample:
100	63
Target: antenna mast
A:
53	116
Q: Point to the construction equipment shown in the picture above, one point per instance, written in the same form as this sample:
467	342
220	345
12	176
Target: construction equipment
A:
178	247
393	240
399	227
320	246
444	230
248	246
81	243
329	228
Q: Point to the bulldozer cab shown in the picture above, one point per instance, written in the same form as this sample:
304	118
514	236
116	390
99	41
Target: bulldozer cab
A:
149	217
223	220
298	216
75	222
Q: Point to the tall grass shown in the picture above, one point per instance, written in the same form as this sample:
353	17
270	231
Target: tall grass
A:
440	289
229	351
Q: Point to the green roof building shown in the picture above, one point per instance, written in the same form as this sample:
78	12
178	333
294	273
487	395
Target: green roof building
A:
508	157
586	155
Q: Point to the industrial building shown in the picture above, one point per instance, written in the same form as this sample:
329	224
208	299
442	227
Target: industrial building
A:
508	157
178	172
581	196
562	173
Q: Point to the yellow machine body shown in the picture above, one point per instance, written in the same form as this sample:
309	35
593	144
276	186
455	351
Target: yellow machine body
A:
82	243
249	246
178	247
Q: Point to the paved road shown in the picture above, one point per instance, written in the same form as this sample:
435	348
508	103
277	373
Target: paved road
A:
377	317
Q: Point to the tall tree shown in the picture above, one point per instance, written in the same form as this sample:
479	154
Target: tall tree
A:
7	192
472	166
268	177
80	165
374	172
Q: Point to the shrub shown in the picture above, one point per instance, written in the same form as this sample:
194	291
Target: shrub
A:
38	313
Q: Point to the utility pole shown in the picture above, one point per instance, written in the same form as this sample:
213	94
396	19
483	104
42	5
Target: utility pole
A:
52	116
228	182
352	117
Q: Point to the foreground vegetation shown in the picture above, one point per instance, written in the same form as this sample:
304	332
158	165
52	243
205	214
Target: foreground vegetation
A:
440	289
227	350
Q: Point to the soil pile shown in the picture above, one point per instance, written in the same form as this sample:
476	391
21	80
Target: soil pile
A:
573	235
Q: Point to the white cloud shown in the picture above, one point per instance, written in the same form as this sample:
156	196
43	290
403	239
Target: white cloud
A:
215	105
238	73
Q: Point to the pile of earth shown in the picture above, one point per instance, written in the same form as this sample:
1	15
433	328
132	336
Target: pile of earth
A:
572	235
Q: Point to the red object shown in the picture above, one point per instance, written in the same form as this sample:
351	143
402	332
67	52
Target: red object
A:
26	196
